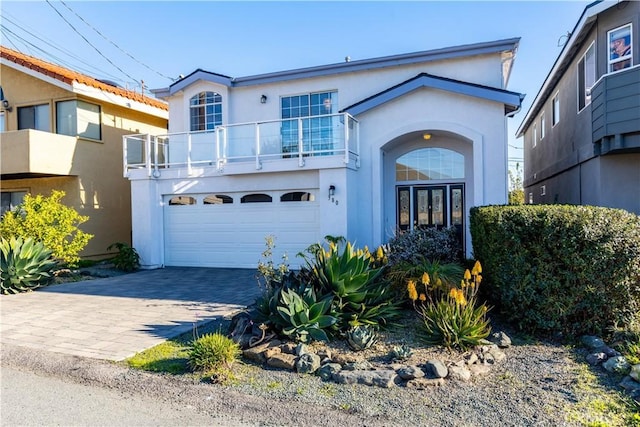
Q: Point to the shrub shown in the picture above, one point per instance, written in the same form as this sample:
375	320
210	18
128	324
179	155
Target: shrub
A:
570	269
453	319
127	258
24	265
419	244
47	220
212	352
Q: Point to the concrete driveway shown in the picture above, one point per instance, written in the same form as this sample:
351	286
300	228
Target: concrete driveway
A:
116	317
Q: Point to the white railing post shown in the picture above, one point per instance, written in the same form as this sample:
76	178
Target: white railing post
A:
125	166
155	156
189	154
300	143
147	151
258	165
218	164
225	146
346	138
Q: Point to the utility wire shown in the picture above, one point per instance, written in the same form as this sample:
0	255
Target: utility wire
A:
113	43
89	43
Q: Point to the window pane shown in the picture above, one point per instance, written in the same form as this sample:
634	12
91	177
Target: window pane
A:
430	163
256	198
205	111
88	120
34	117
66	121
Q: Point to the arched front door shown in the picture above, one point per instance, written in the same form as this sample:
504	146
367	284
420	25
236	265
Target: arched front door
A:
430	190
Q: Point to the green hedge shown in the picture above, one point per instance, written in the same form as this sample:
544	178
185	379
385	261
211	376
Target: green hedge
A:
557	268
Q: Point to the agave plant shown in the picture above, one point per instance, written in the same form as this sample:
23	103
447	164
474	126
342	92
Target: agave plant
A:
24	265
302	317
401	352
361	337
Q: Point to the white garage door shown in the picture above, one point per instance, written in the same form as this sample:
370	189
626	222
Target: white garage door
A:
229	230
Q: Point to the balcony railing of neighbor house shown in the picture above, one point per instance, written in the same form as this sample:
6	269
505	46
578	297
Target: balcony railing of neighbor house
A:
295	139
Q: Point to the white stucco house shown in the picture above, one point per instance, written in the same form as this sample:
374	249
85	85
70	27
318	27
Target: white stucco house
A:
357	149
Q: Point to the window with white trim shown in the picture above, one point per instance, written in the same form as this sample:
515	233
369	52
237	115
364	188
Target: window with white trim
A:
78	118
205	111
535	135
555	106
620	48
317	128
35	117
586	76
542	126
543	190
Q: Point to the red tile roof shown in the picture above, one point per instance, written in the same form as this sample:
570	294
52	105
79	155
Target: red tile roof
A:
68	76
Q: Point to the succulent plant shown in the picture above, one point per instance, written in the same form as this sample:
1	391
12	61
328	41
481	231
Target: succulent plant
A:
361	337
24	265
401	352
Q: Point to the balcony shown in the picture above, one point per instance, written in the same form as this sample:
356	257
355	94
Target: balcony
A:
32	153
615	112
277	145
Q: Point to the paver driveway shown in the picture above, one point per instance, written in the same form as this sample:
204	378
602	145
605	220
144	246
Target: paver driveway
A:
114	318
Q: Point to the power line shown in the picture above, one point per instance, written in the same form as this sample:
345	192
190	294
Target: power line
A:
113	43
89	43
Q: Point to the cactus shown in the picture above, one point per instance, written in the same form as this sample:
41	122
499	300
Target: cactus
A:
24	265
401	352
361	337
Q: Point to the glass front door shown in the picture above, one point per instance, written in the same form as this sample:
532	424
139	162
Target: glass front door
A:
431	206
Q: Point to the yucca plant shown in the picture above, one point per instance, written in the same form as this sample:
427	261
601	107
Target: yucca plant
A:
24	265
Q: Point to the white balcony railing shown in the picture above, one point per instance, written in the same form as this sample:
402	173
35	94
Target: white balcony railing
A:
294	139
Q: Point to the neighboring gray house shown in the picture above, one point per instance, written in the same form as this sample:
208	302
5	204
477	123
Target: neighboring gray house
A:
582	132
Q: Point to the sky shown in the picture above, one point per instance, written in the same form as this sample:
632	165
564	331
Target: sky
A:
157	41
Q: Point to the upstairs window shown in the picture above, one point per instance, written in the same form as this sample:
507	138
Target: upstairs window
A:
78	118
586	76
542	126
535	135
34	117
620	48
205	110
556	110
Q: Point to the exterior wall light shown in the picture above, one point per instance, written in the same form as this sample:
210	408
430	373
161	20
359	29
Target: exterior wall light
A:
332	191
426	136
263	99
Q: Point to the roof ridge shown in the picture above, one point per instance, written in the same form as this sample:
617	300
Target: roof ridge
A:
69	76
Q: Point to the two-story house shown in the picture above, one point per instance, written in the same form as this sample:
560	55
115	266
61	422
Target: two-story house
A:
582	132
63	130
358	149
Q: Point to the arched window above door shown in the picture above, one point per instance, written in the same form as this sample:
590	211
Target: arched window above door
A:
425	164
205	111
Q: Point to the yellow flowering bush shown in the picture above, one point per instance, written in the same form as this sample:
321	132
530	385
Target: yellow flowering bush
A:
451	318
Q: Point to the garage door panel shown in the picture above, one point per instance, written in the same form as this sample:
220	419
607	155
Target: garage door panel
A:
233	234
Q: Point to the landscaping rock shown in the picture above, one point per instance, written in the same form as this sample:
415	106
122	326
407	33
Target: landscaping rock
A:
459	373
631	387
302	349
343	359
308	363
255	354
501	339
283	361
424	383
635	372
360	365
324	353
596	358
479	370
272	351
437	369
609	351
410	372
592	342
326	372
289	348
378	378
498	355
618	365
471	358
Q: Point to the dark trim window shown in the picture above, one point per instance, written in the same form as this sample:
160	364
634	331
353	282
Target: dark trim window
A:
205	111
535	135
620	48
182	201
36	117
297	196
586	76
78	118
10	200
555	106
217	199
256	198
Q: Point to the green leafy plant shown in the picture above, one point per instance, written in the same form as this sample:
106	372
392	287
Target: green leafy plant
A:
425	243
361	337
127	258
47	220
442	275
303	318
454	320
24	265
213	352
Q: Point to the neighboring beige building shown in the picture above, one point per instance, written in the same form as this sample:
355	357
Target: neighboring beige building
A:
63	130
